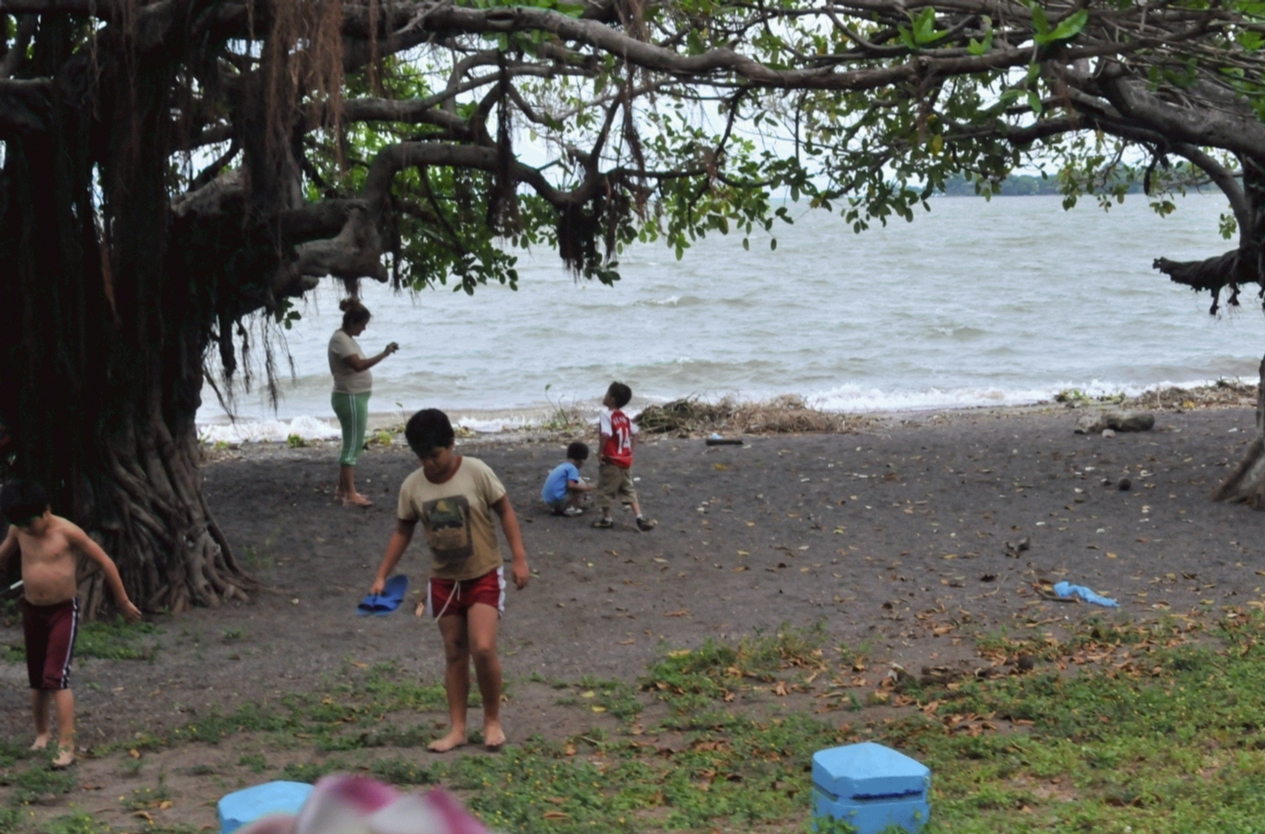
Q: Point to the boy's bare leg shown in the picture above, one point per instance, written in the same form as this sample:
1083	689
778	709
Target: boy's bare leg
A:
39	710
452	627
481	622
64	706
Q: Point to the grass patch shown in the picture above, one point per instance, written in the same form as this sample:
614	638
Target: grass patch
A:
105	641
690	679
80	823
38	784
117	640
1156	726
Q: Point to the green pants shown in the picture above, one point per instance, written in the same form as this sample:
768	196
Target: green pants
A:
353	416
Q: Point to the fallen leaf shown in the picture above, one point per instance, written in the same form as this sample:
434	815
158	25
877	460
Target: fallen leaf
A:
684	612
722	467
556	815
134	753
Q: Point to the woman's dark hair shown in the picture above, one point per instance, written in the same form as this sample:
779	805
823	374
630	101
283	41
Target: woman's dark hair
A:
578	451
427	430
22	500
354	312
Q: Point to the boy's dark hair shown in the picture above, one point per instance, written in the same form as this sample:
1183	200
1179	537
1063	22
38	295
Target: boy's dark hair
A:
22	500
620	393
578	451
427	430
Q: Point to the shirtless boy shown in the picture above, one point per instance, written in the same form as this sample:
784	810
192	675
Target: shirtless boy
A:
50	607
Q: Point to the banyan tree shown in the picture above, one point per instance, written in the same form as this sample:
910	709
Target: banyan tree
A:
177	172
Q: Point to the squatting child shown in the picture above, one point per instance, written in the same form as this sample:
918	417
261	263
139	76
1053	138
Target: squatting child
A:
617	438
50	605
453	497
564	490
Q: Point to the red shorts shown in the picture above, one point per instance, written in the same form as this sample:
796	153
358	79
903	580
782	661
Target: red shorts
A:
50	642
448	596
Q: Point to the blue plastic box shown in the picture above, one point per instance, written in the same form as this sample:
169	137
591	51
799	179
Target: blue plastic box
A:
870	787
248	805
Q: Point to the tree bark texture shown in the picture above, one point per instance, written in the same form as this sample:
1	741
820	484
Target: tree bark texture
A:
1246	484
104	329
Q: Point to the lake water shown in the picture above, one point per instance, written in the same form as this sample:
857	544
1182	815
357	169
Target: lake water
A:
975	303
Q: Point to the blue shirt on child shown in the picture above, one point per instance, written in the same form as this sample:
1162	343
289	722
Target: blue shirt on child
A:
555	488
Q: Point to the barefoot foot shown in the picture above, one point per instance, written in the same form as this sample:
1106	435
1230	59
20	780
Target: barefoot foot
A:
65	756
356	500
41	741
493	737
455	738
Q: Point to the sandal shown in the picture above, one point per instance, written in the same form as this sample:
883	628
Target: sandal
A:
645	525
604	523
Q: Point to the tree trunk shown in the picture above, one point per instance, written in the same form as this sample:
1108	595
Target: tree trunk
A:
105	316
1246	483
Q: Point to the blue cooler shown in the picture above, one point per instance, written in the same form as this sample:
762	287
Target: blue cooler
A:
248	805
870	787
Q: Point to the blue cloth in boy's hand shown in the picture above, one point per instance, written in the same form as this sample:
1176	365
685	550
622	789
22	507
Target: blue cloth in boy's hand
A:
1066	589
387	601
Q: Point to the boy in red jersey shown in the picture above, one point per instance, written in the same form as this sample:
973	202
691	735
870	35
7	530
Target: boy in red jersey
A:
617	436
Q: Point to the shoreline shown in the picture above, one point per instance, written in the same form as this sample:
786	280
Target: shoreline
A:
510	426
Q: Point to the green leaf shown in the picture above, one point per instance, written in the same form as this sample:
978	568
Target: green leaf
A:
977	48
1070	26
1034	101
1250	40
1040	23
924	28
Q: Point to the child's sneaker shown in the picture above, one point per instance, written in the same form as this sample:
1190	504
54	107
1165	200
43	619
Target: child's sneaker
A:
645	525
572	512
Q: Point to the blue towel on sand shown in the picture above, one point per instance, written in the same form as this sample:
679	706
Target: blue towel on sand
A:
1066	589
382	604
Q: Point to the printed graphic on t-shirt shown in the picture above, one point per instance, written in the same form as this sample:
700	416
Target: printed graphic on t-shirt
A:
447	525
618	448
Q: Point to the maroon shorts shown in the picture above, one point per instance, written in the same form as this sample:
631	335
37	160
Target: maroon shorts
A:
448	596
50	642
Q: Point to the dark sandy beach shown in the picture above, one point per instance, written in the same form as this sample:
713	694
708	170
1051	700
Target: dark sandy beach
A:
901	539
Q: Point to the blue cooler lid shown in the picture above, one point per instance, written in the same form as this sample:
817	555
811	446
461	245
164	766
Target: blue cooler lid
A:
868	771
249	804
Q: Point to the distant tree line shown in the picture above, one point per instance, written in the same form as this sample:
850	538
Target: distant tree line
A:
1015	185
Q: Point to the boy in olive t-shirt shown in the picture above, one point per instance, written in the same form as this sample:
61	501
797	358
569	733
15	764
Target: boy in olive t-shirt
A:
454	497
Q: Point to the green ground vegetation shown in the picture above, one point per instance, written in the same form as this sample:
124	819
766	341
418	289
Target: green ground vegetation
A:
1115	725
